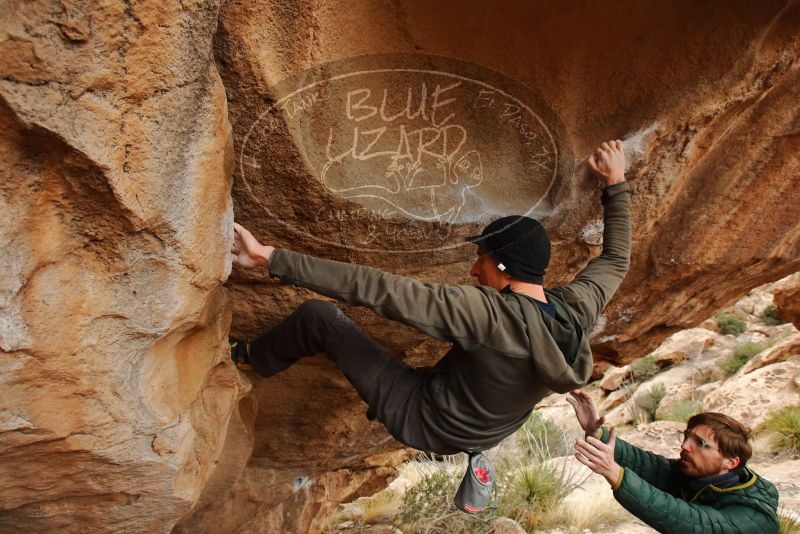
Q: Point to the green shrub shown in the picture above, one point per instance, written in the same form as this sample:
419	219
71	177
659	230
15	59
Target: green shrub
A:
646	404
644	368
785	428
681	411
728	323
542	439
732	364
749	349
741	355
769	318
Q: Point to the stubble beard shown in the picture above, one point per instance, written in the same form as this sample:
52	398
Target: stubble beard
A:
690	469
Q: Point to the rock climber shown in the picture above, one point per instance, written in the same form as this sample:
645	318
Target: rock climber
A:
514	341
708	490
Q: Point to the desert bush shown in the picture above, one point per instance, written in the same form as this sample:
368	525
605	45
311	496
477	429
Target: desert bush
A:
728	323
769	318
431	496
646	404
542	439
644	368
741	355
732	364
784	425
681	411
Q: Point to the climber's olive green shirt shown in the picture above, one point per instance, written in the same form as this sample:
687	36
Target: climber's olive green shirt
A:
505	356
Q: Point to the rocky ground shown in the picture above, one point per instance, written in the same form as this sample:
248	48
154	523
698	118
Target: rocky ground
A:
649	401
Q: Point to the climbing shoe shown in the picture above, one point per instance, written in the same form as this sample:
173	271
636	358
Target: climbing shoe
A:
240	354
476	487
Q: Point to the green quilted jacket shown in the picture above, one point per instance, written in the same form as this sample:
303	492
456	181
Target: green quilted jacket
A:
654	490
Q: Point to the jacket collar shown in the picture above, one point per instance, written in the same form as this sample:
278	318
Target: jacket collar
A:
745	479
725	480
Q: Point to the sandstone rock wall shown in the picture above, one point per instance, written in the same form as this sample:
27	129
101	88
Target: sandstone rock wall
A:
121	144
115	210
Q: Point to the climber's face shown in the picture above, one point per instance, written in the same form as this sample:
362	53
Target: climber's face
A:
488	274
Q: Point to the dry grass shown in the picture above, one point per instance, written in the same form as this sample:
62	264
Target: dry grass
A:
380	506
375	509
592	511
789	521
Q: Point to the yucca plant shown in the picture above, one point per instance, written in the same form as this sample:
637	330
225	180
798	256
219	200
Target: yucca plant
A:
535	484
532	491
785	428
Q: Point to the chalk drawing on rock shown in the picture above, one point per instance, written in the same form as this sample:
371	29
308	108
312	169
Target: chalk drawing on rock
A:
445	145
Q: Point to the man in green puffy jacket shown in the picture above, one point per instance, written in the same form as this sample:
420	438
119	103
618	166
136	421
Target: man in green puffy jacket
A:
513	340
708	490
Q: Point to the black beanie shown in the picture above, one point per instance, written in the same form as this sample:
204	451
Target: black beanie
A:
519	245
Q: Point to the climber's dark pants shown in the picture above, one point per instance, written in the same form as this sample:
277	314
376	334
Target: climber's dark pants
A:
391	389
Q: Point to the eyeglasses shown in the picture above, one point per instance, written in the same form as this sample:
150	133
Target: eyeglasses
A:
698	441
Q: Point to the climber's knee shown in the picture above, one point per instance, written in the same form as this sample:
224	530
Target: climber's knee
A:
320	310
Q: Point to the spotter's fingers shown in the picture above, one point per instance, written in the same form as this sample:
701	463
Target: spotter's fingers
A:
585	461
587	449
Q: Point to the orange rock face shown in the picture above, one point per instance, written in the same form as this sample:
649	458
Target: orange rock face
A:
130	130
115	212
787	300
